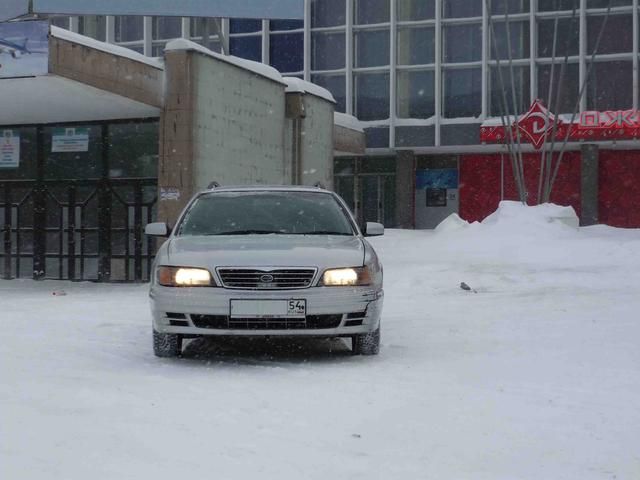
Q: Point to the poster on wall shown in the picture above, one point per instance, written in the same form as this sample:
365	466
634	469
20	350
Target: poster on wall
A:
65	140
24	49
9	149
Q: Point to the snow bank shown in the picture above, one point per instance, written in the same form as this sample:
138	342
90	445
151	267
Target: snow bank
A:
516	218
516	215
452	223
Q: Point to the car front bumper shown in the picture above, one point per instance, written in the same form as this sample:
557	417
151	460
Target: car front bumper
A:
330	311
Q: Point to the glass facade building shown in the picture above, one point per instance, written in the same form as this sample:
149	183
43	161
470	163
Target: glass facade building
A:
422	73
422	76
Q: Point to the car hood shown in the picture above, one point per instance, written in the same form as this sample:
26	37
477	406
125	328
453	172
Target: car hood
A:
322	251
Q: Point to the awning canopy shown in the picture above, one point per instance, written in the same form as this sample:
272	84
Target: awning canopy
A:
262	9
53	99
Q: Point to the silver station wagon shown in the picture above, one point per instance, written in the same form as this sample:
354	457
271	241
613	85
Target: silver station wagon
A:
266	261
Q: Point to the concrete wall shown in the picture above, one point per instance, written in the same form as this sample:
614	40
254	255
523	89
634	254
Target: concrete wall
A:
317	142
105	71
238	125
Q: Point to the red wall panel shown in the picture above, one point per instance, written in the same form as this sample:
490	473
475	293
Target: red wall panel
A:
619	184
480	183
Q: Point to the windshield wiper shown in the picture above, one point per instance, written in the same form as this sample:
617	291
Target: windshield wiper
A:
245	232
325	232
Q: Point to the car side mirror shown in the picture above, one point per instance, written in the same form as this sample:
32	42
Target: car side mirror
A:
374	229
159	229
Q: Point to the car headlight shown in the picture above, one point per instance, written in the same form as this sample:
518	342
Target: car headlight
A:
347	277
184	277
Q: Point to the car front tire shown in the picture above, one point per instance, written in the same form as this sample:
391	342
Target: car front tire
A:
366	344
167	345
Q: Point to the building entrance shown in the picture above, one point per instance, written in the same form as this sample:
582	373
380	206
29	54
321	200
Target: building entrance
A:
75	203
368	185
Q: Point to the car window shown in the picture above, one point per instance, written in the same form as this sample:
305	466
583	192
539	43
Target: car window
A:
240	213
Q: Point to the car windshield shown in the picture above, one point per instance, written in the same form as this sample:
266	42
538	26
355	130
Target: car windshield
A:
266	212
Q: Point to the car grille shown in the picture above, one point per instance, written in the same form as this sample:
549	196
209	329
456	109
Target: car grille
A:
282	279
222	322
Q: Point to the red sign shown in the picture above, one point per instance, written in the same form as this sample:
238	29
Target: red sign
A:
537	125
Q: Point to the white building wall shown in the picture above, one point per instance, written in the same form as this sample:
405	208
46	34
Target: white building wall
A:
239	125
317	142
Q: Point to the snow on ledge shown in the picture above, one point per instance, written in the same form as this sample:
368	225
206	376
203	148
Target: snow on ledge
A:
258	68
73	37
296	85
347	121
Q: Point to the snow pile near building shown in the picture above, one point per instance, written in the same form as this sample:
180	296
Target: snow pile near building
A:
533	235
531	218
453	223
516	218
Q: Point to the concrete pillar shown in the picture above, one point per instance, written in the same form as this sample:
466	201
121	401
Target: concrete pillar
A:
175	169
589	185
405	189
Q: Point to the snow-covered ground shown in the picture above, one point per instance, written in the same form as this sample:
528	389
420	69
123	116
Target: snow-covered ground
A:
535	376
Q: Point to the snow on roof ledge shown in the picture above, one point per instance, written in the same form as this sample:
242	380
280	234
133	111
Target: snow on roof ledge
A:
258	68
347	121
296	85
73	37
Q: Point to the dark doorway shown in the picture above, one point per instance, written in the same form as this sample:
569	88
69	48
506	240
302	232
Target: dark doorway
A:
75	205
368	186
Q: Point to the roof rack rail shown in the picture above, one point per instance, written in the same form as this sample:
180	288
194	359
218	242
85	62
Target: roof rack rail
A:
213	185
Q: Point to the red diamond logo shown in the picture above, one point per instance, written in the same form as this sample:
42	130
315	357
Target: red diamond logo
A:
536	124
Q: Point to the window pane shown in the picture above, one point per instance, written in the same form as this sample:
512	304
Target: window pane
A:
498	7
246	47
62	22
165	28
82	164
610	86
416	94
133	150
462	43
245	26
129	29
462	92
282	25
565	85
286	52
605	3
416	45
518	38
371	96
520	83
568	35
617	36
461	8
336	85
27	167
549	5
372	11
372	48
327	51
94	26
198	26
328	13
409	10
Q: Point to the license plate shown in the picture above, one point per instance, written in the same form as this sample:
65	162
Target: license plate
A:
268	308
